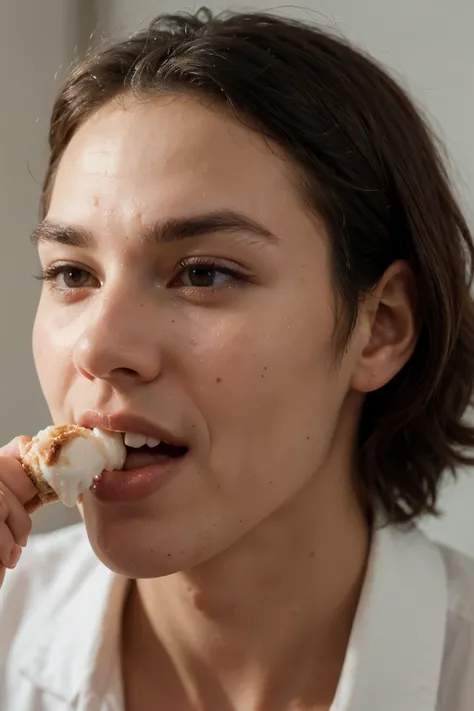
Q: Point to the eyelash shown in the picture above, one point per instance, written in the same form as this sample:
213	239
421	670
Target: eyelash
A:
51	273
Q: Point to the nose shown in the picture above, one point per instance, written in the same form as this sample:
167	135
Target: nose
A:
119	343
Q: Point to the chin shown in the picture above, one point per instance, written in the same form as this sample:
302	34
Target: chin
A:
142	547
127	550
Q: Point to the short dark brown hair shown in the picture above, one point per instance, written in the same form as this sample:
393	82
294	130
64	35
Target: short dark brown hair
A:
370	168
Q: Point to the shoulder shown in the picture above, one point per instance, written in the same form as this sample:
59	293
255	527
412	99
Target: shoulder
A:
52	566
53	548
53	610
50	558
457	675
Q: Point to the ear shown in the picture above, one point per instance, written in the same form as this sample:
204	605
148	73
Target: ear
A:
387	329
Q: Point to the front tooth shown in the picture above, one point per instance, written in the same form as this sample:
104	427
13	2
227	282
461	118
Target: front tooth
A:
152	442
134	440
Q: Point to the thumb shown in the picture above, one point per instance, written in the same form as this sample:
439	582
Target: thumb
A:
12	448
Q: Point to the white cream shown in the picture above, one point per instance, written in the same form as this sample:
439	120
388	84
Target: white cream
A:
80	461
113	447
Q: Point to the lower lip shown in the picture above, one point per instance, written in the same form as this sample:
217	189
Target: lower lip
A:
128	486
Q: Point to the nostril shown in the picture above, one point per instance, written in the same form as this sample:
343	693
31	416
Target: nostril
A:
128	373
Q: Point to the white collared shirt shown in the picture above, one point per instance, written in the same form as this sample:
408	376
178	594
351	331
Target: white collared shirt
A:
411	648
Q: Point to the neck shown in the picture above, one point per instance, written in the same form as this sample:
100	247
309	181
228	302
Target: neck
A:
244	630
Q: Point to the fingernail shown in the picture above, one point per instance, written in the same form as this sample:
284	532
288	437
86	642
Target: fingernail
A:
14	557
23	541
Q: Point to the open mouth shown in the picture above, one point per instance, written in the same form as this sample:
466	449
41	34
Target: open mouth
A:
144	456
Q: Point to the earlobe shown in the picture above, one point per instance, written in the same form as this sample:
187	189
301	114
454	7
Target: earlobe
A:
388	329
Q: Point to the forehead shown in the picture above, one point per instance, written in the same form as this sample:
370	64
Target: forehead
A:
170	154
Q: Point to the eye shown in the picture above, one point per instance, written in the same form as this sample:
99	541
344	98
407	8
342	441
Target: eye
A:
207	274
66	277
73	278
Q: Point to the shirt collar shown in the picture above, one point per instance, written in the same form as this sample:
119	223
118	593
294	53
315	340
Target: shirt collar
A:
396	647
393	659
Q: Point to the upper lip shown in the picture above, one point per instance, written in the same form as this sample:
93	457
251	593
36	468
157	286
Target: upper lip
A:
128	422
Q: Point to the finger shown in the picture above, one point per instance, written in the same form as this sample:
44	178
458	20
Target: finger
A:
33	505
9	551
18	521
4	510
14	477
12	449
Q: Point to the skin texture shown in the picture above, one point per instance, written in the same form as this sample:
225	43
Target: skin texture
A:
250	560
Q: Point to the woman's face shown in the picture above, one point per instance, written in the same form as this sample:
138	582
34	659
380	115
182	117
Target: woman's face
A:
199	304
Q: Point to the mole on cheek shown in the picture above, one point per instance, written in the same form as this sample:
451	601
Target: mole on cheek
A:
218	380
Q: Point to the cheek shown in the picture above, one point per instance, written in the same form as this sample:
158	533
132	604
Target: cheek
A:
267	393
248	363
41	348
52	361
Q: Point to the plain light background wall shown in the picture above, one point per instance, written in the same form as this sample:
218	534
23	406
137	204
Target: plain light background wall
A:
426	43
37	41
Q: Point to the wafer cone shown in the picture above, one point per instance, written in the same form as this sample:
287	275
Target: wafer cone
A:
31	466
29	458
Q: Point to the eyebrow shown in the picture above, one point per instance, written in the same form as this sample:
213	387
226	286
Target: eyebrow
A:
166	232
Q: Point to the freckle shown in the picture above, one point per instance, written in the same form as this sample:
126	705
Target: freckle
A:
308	437
311	555
169	555
173	321
96	201
218	380
265	367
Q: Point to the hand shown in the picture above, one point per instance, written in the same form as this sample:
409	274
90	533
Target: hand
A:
18	499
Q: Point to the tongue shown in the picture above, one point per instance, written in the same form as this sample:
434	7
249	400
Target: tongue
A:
144	456
136	459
